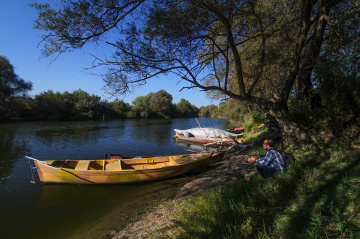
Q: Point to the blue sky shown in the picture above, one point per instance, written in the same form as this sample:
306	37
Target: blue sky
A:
19	42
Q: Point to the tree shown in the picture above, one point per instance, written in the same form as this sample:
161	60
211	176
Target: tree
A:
86	106
11	88
186	109
259	52
161	102
50	105
153	105
76	105
204	112
120	106
10	83
141	108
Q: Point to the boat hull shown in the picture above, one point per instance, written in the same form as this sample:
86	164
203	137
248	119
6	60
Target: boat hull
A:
115	172
206	140
237	130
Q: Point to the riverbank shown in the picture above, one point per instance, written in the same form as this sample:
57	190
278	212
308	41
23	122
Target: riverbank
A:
233	168
318	197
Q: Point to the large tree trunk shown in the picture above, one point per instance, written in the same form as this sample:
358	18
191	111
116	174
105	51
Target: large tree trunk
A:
304	86
292	128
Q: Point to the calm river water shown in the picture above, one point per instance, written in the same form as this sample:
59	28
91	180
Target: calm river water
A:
81	211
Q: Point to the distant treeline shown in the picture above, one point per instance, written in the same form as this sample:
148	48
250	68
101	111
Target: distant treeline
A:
80	105
234	110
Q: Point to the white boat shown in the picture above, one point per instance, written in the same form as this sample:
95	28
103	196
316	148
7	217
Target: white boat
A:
207	133
208	136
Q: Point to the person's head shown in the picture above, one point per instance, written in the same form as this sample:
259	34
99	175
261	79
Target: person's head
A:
268	143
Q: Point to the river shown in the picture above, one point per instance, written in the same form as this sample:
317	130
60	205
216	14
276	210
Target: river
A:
55	211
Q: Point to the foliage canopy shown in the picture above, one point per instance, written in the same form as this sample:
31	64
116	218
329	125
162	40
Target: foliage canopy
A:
10	83
259	52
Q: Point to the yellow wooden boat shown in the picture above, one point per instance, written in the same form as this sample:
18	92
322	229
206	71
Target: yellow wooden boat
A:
122	170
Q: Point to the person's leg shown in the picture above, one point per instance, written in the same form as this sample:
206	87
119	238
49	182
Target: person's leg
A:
266	171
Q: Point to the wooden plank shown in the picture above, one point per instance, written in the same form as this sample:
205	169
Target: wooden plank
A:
146	160
161	159
83	165
172	161
113	166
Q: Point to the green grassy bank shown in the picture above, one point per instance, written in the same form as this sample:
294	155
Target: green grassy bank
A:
318	197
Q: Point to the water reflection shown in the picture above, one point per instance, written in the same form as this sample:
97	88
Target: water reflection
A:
87	205
12	147
80	133
158	131
51	195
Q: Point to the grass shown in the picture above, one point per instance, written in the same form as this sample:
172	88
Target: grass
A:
318	197
250	137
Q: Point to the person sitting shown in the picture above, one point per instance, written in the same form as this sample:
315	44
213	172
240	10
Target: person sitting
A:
271	163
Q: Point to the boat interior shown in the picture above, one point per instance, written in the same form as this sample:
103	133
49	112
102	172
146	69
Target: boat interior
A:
117	164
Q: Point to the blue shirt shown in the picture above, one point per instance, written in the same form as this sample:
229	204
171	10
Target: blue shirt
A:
273	158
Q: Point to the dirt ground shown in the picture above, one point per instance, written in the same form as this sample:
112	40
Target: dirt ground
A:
234	167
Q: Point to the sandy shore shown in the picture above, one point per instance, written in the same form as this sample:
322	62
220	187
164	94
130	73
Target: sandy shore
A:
234	167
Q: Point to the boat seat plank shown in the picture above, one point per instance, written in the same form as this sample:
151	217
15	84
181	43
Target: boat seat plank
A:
161	159
83	165
146	160
113	166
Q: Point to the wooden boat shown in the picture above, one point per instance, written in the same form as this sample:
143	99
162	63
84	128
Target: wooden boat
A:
120	170
236	130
